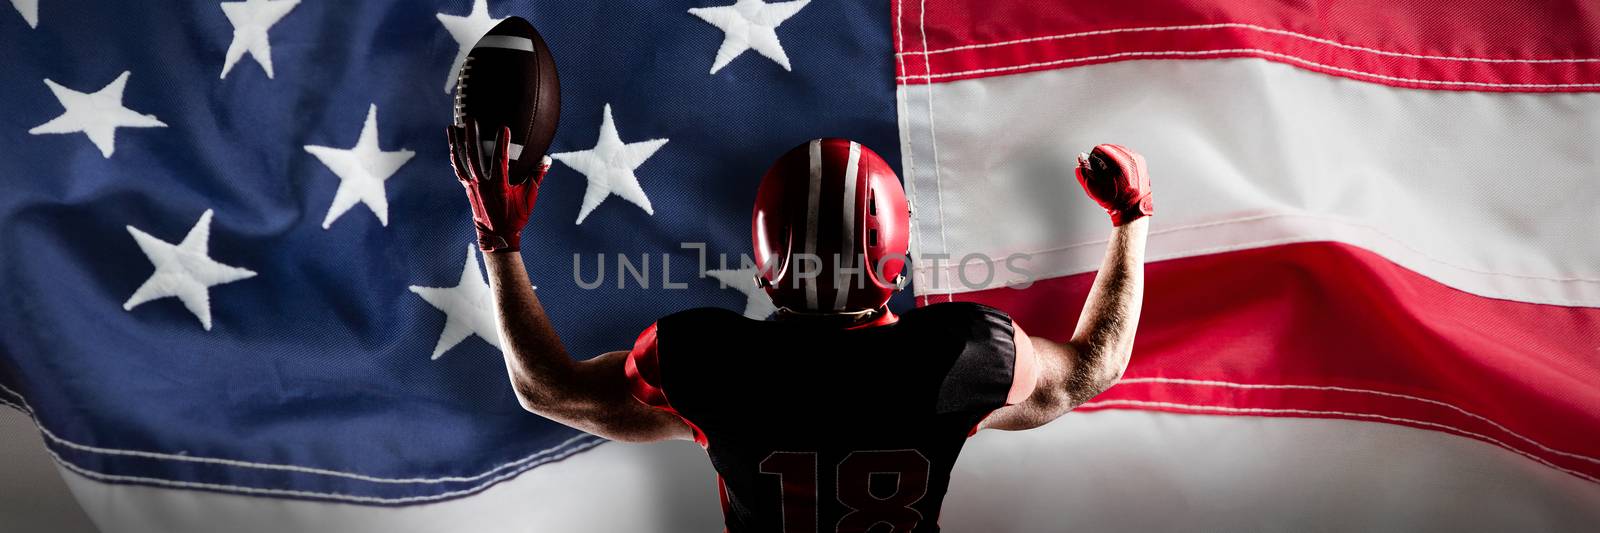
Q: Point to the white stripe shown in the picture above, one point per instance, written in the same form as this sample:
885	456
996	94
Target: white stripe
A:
508	42
1173	472
840	282
1252	27
1144	404
1324	388
1274	474
1490	193
813	199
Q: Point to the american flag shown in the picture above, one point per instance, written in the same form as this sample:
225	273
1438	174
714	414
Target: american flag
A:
240	286
238	260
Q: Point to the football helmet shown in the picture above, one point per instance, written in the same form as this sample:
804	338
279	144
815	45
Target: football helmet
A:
830	228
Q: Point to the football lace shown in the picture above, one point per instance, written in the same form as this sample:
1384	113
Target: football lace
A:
459	114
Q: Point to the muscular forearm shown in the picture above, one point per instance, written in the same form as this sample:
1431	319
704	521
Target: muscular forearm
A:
1103	338
1070	373
539	366
590	395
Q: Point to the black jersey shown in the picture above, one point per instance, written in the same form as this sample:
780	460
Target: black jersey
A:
821	428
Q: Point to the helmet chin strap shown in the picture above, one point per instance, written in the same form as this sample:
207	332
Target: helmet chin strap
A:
849	317
900	281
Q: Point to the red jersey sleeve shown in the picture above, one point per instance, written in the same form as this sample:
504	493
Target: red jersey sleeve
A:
643	371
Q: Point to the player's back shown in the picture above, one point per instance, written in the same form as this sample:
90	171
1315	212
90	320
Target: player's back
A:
816	427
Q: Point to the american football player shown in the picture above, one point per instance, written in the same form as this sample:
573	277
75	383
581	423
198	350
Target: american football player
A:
837	415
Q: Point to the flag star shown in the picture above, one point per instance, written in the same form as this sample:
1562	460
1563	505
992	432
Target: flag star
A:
96	114
362	170
29	10
466	31
251	19
468	307
184	270
609	167
749	24
757	304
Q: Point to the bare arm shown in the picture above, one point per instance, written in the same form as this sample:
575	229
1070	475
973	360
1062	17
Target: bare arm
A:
1094	358
590	395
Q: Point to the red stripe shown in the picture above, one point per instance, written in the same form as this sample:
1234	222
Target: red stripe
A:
1378	342
1479	45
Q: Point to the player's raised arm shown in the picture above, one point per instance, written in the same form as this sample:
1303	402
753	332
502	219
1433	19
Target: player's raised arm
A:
507	91
1070	373
590	395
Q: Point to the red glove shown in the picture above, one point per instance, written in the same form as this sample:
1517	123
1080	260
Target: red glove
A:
500	202
1115	178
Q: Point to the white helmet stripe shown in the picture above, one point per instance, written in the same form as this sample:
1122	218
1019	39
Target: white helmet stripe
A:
813	198
841	282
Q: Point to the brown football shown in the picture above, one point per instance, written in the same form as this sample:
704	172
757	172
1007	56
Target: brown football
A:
509	80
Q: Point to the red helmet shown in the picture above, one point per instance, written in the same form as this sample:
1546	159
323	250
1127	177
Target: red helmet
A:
830	229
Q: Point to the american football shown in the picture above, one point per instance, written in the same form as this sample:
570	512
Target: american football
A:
509	80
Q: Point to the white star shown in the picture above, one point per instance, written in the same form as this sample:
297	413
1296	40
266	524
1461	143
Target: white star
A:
466	31
609	167
251	19
96	114
468	307
749	24
184	270
757	304
362	169
29	10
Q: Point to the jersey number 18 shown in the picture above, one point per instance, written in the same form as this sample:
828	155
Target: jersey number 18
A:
797	479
